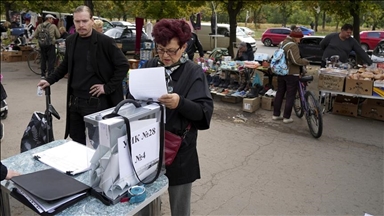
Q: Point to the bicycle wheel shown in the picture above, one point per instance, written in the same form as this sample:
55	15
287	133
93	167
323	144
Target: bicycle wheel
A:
314	116
297	106
34	62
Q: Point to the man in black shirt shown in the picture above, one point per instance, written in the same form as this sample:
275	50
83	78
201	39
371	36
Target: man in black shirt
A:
342	44
96	68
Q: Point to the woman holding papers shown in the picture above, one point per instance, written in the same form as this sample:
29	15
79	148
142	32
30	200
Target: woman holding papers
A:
188	102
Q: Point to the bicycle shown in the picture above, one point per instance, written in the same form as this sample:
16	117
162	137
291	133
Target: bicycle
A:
306	103
34	58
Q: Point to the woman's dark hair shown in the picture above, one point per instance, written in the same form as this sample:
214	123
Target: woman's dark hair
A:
167	29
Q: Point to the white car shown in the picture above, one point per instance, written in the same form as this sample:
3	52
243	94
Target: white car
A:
122	23
248	31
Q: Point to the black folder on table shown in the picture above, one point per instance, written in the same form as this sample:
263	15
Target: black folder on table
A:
48	188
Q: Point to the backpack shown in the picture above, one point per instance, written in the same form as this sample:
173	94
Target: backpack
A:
279	61
44	36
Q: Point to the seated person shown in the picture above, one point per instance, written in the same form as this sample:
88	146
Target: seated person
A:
379	50
245	52
63	32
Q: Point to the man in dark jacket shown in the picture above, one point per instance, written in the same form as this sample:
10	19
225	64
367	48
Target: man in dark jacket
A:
342	44
96	68
245	52
193	45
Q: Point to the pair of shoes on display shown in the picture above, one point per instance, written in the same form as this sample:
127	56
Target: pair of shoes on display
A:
254	92
287	121
270	93
276	118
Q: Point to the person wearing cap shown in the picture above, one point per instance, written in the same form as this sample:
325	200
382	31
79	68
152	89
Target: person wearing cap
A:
288	84
342	44
48	52
245	52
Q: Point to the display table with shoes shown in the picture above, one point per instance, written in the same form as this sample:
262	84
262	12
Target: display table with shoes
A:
25	163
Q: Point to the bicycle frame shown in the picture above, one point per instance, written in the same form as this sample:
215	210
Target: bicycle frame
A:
302	90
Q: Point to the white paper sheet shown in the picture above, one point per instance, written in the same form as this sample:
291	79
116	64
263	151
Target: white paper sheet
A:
145	151
147	83
70	157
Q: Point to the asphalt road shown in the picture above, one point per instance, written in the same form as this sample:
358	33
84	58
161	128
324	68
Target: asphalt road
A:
254	166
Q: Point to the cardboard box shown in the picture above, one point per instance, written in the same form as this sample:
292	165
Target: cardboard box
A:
231	99
362	87
374	109
13	53
267	103
378	89
374	102
274	81
330	82
345	105
25	54
2	56
26	48
10	58
251	104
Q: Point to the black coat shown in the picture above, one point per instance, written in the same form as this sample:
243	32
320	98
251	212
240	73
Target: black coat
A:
195	107
109	64
193	45
4	171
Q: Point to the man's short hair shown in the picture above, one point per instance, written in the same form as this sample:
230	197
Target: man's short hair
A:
346	27
83	8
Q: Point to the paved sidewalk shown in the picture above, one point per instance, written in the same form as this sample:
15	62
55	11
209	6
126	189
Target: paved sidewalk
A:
257	167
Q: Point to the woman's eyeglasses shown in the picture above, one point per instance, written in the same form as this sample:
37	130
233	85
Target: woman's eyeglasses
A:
169	52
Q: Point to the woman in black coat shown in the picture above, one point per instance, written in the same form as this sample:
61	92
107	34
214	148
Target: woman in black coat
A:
188	102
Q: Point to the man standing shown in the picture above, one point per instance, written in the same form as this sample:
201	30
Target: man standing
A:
193	45
47	43
342	44
96	68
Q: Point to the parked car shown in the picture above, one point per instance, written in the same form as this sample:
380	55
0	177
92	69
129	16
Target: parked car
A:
310	49
127	37
273	36
248	31
370	39
307	31
208	41
122	23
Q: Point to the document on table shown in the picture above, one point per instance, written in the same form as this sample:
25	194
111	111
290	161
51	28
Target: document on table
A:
147	83
44	206
70	158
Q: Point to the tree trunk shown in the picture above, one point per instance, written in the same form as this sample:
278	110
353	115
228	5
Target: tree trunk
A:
323	26
7	7
337	26
232	12
316	21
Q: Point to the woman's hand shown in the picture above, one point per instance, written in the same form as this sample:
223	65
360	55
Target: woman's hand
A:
171	101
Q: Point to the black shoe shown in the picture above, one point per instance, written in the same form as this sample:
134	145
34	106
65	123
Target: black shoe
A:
242	86
253	93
